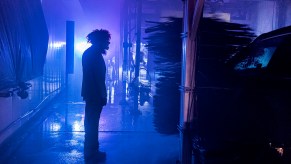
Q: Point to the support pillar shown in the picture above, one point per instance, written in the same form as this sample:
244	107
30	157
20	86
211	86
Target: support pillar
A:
125	52
191	17
137	56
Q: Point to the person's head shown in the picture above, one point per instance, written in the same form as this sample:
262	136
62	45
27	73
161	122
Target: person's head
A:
99	38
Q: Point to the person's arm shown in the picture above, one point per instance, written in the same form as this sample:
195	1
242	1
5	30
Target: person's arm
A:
99	76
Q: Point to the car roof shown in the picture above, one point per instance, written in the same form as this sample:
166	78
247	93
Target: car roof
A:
279	33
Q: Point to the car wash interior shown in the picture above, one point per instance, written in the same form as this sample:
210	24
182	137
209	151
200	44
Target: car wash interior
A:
187	81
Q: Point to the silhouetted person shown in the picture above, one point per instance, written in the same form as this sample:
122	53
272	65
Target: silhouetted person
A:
94	90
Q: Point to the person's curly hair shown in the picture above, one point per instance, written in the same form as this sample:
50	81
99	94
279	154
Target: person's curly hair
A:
98	36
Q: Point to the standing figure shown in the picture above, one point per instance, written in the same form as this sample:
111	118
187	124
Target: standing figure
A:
94	90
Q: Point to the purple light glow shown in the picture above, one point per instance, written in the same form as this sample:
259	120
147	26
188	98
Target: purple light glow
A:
87	15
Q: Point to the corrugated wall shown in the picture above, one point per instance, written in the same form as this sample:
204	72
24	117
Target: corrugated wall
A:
24	40
27	54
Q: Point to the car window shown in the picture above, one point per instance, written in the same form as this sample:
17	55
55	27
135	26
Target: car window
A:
281	63
257	58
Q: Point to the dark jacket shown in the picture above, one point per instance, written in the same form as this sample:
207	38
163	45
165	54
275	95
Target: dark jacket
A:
94	71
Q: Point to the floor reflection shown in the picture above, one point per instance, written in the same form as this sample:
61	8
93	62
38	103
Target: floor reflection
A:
57	135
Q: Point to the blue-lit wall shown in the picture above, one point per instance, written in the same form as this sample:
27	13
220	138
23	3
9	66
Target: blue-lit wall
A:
14	111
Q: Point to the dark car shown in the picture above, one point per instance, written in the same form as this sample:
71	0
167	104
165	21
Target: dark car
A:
247	117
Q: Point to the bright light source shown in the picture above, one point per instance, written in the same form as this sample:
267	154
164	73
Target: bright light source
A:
82	46
55	127
280	151
77	126
57	45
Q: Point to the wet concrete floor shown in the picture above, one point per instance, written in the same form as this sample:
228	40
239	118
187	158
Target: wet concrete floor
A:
56	135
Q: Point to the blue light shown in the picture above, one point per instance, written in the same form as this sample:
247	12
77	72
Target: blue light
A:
57	45
81	46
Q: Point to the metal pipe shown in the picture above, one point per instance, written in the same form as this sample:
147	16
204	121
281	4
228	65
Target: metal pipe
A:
137	55
125	51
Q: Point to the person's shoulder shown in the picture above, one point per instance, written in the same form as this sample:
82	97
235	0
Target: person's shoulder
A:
87	52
